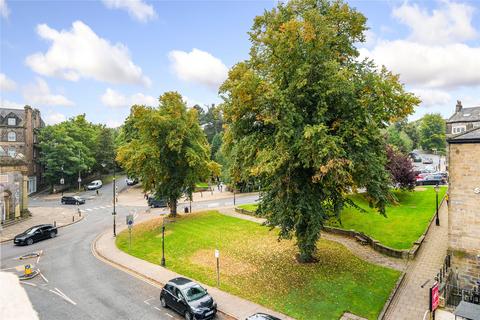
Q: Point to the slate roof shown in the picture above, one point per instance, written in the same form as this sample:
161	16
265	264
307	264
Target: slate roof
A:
20	113
466	115
470	136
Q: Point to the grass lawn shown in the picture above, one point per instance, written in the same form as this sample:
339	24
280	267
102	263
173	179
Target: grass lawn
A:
201	185
250	207
405	221
255	266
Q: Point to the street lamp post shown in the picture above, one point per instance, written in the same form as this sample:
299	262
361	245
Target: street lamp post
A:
437	218
163	243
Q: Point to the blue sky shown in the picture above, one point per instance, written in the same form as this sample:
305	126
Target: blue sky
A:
144	48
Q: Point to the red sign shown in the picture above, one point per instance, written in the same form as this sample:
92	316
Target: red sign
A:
434	297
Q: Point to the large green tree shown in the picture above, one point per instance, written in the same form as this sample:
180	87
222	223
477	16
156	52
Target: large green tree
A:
305	117
169	151
432	133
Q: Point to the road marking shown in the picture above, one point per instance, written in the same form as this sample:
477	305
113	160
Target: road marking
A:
88	209
9	269
41	274
146	301
158	308
38	259
102	207
168	314
211	205
63	296
30	284
96	208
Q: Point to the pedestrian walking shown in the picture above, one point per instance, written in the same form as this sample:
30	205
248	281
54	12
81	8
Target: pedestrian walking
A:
97	192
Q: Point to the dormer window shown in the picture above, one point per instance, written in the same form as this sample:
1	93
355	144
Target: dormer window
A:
12	121
12	136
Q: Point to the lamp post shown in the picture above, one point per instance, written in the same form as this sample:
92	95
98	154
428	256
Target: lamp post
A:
163	243
437	218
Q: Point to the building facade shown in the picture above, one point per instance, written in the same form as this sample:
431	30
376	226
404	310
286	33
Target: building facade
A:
13	189
464	206
18	140
463	119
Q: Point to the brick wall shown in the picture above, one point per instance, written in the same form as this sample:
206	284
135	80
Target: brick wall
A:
464	211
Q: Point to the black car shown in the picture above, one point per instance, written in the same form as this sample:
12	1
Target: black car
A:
157	202
72	200
188	298
36	233
432	179
262	316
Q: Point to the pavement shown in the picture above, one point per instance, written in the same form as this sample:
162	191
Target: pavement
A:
233	306
62	216
411	300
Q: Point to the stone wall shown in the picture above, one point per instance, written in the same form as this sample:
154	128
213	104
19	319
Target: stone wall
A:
464	211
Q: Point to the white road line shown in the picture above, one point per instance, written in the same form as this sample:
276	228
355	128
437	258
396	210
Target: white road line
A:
168	314
9	269
158	308
30	284
41	274
88	209
102	207
38	259
146	301
96	208
64	296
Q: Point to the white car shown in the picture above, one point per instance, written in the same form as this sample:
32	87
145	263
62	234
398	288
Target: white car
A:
94	185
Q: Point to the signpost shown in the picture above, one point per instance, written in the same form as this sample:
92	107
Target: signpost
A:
130	225
217	256
434	299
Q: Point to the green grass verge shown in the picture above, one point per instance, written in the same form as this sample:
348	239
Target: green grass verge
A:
250	207
405	222
255	266
201	185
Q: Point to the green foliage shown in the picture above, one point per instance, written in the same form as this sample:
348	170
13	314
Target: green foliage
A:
105	150
411	129
256	267
216	144
211	121
71	145
304	117
399	139
168	151
433	133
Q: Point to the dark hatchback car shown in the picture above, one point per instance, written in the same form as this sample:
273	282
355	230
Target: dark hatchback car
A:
432	179
72	200
157	202
262	316
36	233
188	298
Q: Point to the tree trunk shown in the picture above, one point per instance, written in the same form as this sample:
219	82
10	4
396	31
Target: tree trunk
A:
173	207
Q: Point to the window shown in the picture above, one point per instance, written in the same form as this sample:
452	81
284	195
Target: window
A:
459	129
2	151
11	152
12	136
12	121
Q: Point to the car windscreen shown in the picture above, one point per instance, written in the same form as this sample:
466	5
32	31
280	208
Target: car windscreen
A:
31	230
194	292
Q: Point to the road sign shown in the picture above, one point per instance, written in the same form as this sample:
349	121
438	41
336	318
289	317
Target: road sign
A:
130	221
434	297
62	181
28	270
79	180
217	253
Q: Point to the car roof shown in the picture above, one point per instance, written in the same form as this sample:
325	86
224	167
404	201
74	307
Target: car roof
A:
41	225
262	316
181	282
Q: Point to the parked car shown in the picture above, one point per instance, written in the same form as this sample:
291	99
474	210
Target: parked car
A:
427	161
131	181
415	157
34	234
156	202
188	298
262	316
94	185
432	179
72	200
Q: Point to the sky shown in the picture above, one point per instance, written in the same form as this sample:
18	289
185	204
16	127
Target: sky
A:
100	57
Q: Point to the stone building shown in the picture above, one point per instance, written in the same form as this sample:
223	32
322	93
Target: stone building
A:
13	189
464	206
463	119
18	139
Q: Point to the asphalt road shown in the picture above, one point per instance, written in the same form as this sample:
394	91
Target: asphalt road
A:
76	285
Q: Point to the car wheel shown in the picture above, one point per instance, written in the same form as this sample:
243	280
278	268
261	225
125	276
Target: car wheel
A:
29	242
63	202
52	234
188	316
163	302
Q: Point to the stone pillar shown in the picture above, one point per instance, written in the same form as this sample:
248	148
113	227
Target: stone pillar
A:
25	194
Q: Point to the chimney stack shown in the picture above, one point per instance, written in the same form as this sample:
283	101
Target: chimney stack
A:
458	107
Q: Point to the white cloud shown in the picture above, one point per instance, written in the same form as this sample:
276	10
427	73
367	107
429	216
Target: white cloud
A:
113	123
199	67
80	53
450	23
137	9
11	104
433	98
7	84
114	99
38	94
54	118
447	66
4	11
191	102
